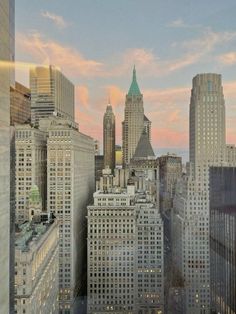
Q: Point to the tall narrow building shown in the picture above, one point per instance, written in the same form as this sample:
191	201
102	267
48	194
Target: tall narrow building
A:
191	205
70	179
133	124
6	78
51	93
109	138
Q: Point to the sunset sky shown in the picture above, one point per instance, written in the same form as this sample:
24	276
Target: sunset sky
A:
96	43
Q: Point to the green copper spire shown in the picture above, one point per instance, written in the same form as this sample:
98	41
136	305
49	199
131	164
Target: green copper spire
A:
134	89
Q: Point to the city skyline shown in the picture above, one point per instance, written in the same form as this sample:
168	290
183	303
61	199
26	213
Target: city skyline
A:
187	41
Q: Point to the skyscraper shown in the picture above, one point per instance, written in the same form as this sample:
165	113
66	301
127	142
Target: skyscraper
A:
207	122
170	166
223	239
133	124
191	204
70	174
20	104
6	77
109	138
31	167
125	250
51	93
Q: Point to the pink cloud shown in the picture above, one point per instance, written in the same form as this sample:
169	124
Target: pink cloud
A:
47	51
228	58
82	95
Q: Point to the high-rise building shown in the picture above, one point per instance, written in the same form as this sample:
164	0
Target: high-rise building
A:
31	167
170	170
36	265
20	108
133	124
111	253
51	93
7	8
109	138
206	123
97	147
99	166
149	284
70	174
119	156
223	239
191	205
125	250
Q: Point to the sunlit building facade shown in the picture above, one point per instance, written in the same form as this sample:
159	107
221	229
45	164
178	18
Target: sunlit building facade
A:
51	94
20	104
133	124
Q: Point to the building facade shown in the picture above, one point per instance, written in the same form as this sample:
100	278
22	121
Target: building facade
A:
149	285
70	177
191	204
51	93
20	108
109	138
133	124
7	51
223	239
125	250
119	156
170	170
36	267
111	254
31	167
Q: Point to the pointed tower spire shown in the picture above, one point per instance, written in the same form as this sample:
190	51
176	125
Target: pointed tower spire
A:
134	89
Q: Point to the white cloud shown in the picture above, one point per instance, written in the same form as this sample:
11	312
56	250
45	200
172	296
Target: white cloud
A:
56	19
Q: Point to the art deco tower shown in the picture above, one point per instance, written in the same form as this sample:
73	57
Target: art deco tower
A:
207	121
109	137
133	123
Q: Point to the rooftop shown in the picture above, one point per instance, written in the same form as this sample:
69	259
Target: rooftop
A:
32	232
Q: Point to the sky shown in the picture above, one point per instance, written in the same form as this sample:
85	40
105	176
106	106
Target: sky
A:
97	42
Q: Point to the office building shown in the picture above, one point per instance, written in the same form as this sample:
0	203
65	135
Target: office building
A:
109	138
7	51
191	247
230	155
149	283
133	124
125	250
51	93
31	167
70	178
97	147
36	265
119	156
207	123
223	239
99	166
20	108
111	253
170	170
